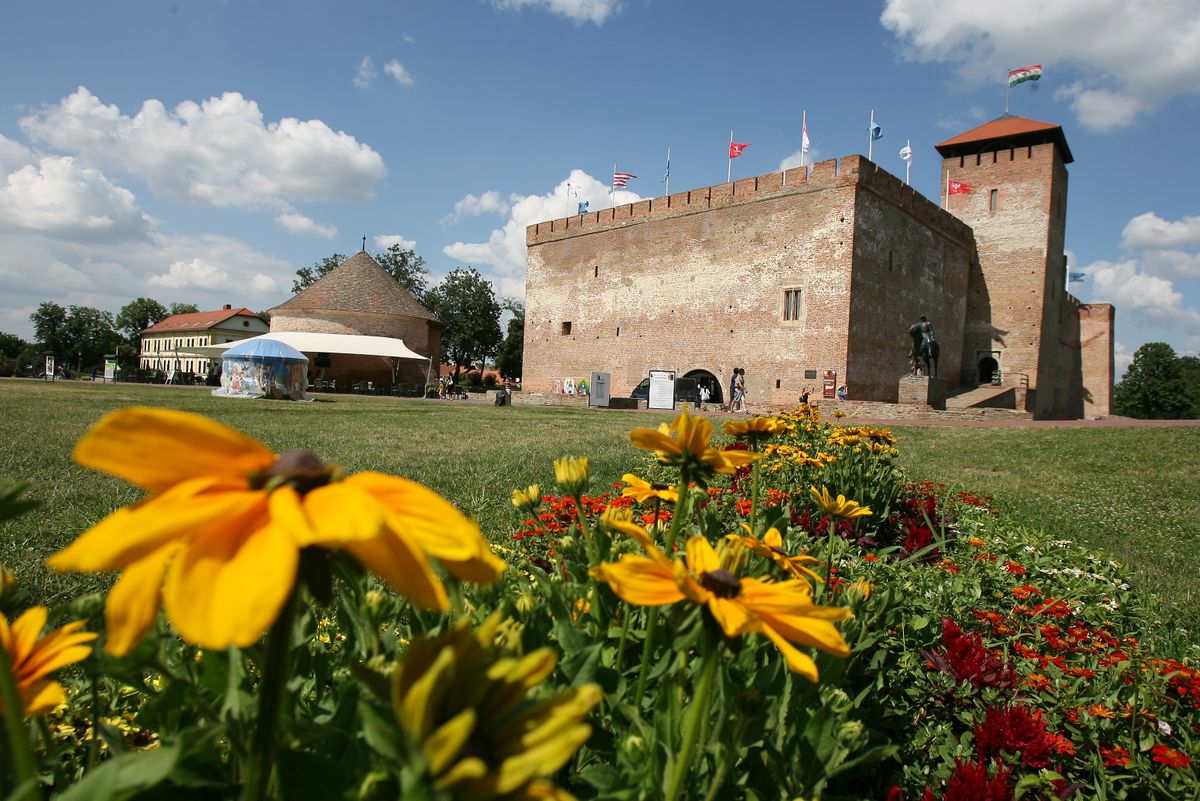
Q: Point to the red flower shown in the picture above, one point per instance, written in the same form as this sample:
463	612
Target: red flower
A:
1015	568
1115	757
1015	730
743	506
965	658
971	782
1025	590
1169	757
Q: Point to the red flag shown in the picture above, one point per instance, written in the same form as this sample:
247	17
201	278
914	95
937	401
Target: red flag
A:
736	148
958	188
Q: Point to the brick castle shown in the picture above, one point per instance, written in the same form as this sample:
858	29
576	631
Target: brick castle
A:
824	268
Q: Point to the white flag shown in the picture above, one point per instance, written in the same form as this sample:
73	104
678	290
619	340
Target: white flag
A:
804	139
906	153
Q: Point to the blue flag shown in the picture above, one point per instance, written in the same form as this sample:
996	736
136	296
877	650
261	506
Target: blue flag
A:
583	207
876	131
1075	278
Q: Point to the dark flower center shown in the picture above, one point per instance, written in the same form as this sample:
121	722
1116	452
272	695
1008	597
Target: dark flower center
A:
721	583
658	487
776	549
301	470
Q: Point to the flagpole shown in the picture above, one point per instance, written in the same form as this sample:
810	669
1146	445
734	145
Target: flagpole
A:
667	177
908	161
612	192
729	172
1007	90
803	134
871	136
946	190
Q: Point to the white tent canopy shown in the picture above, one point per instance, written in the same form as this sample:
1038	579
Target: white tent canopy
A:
355	344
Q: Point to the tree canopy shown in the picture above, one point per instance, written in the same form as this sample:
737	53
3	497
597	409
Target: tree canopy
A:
184	308
405	266
1156	387
466	304
78	336
138	315
511	353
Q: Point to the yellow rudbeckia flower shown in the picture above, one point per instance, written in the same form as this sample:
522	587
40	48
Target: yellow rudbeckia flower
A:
783	612
755	427
840	506
771	547
571	474
33	658
528	499
217	542
685	442
641	490
467	708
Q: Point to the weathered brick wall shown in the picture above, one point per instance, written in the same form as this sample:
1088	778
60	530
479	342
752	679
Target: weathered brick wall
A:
910	259
419	335
696	281
1006	312
1096	354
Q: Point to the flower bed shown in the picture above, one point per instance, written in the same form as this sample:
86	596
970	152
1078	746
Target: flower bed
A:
782	616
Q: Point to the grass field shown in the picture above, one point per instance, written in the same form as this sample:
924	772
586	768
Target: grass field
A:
1132	493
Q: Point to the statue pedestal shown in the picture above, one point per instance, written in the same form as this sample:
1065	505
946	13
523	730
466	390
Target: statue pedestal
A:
921	390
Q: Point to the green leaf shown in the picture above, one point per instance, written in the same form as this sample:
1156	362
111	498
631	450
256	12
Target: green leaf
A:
305	776
381	733
124	776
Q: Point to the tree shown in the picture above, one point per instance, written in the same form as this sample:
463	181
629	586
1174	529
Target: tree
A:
1154	386
511	353
138	315
49	324
89	334
184	308
307	276
406	267
11	345
466	304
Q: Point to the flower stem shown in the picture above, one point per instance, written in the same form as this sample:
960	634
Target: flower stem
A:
24	764
691	732
581	519
647	652
682	507
274	683
754	489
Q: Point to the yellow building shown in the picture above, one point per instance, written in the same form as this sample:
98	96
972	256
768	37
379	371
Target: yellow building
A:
168	345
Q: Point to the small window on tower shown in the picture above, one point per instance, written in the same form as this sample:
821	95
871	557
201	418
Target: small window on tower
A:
566	328
791	304
995	201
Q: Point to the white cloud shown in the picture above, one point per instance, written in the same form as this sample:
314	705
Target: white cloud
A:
13	156
471	205
366	73
1132	290
959	121
1122	358
504	251
811	157
58	196
387	240
397	71
198	273
219	152
1151	232
578	11
1130	55
299	224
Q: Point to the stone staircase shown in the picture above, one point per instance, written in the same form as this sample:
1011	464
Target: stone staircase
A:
984	396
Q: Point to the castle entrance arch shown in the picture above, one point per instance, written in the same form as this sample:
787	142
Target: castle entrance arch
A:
703	378
988	366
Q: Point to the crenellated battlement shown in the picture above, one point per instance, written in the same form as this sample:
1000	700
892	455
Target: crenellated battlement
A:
823	175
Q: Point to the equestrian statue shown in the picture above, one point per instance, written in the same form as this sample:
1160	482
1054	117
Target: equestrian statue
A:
924	354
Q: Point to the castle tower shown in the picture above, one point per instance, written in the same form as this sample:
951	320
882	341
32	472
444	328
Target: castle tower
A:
1011	178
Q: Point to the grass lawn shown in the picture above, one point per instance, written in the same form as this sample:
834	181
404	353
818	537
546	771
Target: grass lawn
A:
1130	492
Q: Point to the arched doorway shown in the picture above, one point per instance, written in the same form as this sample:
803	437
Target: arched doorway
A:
987	368
703	378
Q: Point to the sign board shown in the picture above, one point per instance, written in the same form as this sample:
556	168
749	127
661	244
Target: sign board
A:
110	368
829	384
599	389
49	368
662	389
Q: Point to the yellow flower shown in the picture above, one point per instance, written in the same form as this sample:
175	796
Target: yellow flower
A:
33	659
528	499
755	427
642	491
685	442
839	507
621	520
571	474
771	547
217	542
783	612
465	705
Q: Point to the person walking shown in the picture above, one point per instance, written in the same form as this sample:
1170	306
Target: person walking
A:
739	390
732	386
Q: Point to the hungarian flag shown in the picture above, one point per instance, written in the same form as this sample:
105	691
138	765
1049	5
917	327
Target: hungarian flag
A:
1022	74
736	148
621	179
957	188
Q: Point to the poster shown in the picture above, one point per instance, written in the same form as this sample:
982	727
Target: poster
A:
110	368
662	389
49	368
829	384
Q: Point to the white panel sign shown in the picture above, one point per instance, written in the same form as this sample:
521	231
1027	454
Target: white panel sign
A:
662	389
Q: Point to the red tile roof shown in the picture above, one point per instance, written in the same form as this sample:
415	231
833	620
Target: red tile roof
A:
359	284
1017	131
197	321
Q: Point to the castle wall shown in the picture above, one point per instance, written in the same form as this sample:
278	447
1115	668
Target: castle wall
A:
1019	245
1096	322
697	280
419	335
910	259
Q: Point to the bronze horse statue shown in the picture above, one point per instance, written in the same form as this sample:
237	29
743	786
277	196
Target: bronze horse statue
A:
925	348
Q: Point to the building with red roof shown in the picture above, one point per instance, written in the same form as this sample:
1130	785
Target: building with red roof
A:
168	344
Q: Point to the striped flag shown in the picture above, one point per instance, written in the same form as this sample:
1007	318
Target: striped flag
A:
1022	74
621	179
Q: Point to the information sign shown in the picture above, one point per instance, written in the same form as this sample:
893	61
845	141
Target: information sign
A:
662	389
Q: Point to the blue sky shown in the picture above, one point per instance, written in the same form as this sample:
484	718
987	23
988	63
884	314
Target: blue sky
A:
201	151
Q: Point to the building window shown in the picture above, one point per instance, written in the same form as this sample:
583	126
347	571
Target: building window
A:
791	304
995	201
566	328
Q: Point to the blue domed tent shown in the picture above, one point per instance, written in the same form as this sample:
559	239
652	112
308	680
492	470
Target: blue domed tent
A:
263	367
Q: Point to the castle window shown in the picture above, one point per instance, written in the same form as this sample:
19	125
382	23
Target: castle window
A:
566	328
995	201
791	304
596	273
